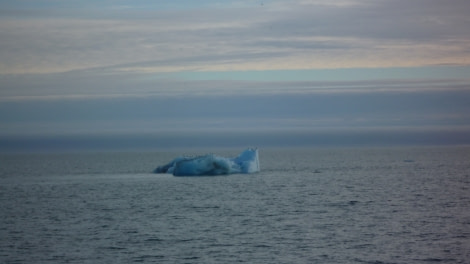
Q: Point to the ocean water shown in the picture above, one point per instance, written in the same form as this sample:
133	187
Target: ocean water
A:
354	205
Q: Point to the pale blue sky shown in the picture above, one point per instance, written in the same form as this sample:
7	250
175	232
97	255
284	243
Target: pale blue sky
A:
153	67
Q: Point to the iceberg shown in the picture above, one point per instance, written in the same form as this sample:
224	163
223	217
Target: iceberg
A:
210	165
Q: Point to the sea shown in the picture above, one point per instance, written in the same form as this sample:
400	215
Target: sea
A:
307	205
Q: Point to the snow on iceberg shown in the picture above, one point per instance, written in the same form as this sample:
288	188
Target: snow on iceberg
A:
246	162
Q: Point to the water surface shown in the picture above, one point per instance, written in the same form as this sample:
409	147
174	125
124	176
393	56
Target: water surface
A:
355	205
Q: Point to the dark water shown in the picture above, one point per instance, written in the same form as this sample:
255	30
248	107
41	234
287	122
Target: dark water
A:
382	205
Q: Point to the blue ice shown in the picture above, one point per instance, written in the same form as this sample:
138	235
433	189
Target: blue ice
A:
246	162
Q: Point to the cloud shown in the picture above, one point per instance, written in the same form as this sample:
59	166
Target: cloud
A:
172	66
293	111
249	36
107	84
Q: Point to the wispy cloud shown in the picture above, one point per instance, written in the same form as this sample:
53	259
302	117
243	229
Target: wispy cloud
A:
83	85
251	35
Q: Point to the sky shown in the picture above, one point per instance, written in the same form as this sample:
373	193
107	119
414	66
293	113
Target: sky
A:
162	74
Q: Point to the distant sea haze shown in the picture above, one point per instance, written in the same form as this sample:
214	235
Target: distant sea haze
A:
270	119
234	138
